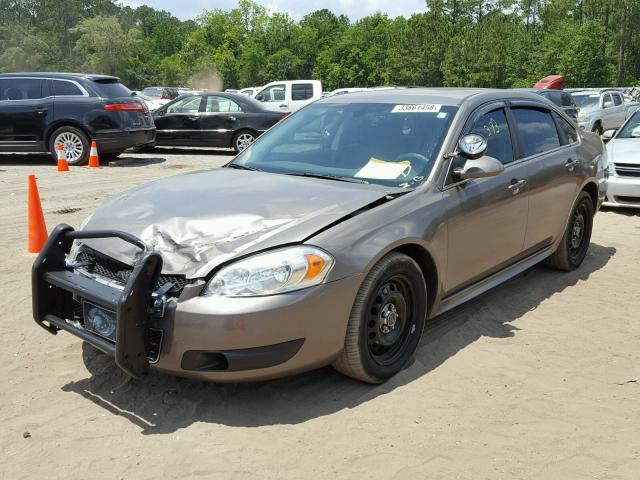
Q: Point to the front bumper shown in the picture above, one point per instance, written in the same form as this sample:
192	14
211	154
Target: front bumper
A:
623	192
207	338
119	141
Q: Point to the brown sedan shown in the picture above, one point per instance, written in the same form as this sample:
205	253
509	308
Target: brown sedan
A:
331	240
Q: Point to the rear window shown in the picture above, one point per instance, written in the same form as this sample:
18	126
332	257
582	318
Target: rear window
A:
567	100
153	91
537	131
555	97
111	89
301	91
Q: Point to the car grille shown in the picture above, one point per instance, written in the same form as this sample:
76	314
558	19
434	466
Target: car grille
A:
627	169
99	264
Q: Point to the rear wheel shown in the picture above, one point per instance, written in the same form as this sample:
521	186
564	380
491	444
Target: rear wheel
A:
75	144
386	321
243	139
577	237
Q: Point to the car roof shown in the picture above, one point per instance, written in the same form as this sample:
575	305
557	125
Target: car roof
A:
87	76
439	95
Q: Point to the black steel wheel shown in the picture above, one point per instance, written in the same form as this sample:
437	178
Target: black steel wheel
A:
386	321
575	243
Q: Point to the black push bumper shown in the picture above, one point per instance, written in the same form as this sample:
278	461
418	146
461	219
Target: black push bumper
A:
57	288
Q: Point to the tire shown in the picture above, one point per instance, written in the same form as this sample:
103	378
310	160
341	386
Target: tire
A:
108	157
577	236
379	345
76	145
597	129
243	139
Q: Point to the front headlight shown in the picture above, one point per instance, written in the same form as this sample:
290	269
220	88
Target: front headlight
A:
276	271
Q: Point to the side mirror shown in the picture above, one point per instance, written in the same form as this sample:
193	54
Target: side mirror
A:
479	168
608	104
260	98
608	134
472	146
160	112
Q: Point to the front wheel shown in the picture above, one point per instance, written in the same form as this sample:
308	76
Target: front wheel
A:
386	321
243	140
577	236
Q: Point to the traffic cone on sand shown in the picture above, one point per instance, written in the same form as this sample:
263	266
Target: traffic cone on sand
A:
37	230
63	166
94	161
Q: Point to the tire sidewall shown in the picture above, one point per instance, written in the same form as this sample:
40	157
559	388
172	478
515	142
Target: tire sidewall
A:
583	199
83	138
406	266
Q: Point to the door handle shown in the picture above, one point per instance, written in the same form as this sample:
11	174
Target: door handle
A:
283	105
41	110
516	185
193	118
571	164
232	118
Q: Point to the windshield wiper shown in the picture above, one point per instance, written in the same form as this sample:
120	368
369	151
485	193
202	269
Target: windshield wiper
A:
328	177
237	166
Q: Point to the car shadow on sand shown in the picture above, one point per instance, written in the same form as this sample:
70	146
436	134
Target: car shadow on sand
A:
161	404
26	160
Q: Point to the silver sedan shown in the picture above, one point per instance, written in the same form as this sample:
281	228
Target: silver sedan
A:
624	164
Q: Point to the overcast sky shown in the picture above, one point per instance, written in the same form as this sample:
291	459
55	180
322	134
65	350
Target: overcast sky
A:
354	9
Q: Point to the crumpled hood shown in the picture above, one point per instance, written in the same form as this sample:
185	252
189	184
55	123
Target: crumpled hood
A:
199	220
624	150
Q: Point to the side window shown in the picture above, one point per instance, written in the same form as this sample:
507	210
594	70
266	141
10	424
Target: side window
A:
567	100
493	126
570	134
186	105
275	93
221	104
555	97
62	88
617	99
21	89
537	132
606	98
301	91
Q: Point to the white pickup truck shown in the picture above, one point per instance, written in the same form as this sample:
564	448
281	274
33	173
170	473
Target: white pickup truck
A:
602	109
289	95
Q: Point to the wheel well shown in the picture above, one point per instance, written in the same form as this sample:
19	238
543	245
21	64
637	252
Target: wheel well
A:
592	190
67	123
428	267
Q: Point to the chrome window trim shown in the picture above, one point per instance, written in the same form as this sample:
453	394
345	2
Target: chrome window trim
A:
82	89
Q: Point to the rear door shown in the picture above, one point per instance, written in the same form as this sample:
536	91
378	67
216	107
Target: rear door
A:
547	146
620	110
487	232
219	121
178	123
26	109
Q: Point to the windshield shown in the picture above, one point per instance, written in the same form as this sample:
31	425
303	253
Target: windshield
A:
631	128
153	91
387	144
587	101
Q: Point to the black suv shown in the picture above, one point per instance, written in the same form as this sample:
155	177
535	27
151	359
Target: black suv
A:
38	111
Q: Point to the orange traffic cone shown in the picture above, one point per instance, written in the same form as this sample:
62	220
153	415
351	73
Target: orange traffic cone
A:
94	161
37	230
63	166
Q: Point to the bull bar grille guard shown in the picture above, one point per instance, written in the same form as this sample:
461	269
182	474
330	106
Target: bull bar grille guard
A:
55	285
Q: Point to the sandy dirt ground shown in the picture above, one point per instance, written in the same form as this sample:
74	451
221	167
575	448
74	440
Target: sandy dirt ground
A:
537	379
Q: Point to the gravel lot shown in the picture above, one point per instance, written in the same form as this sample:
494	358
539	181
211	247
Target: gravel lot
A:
539	378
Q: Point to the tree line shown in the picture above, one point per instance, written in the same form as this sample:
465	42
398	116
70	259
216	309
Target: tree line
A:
479	43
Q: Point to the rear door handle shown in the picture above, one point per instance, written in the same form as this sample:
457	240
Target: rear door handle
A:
41	110
193	118
516	185
571	164
283	105
232	118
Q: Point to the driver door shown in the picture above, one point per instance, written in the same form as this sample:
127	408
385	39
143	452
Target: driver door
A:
488	217
178	123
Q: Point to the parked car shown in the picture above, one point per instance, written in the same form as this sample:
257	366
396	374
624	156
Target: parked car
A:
624	164
551	82
289	95
39	111
151	103
331	240
250	91
561	98
214	119
602	109
161	94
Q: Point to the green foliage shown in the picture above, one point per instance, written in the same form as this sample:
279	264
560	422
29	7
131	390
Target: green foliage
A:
484	43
